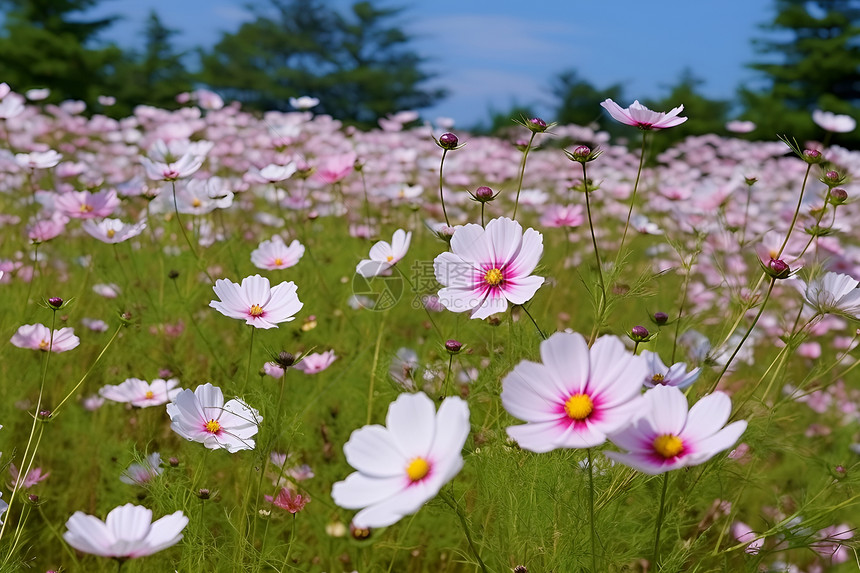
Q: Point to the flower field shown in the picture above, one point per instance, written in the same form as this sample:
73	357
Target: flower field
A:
277	343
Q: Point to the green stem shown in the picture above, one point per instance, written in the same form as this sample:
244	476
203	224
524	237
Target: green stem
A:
250	357
447	376
289	544
542	335
601	305
426	311
373	368
185	234
87	373
452	503
632	198
366	203
522	173
746	335
796	211
441	196
656	560
591	510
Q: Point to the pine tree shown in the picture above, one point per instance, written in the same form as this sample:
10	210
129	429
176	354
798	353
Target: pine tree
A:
811	59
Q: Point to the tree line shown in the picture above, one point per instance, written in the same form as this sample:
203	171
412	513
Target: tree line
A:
360	64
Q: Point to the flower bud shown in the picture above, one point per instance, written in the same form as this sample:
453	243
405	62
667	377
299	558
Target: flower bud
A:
639	333
448	141
812	156
838	196
173	461
520	569
203	493
661	318
583	154
537	125
778	269
173	274
839	472
521	144
453	346
750	180
285	359
484	194
55	302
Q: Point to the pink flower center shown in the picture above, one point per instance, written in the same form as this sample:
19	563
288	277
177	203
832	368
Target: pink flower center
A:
212	426
494	277
256	311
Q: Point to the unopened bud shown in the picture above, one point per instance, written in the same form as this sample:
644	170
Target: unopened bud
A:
639	333
537	125
661	317
448	141
750	180
484	194
453	346
778	269
173	461
838	196
32	498
812	156
203	493
173	274
55	302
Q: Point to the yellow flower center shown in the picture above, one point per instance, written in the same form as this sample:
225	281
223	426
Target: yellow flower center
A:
196	202
256	310
579	407
668	445
86	208
149	395
417	469
657	379
110	233
493	277
279	262
43	345
389	258
212	426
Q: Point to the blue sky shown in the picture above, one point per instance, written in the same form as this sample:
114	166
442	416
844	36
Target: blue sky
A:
496	53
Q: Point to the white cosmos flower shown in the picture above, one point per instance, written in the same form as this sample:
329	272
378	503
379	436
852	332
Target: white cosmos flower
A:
405	463
202	416
834	293
383	255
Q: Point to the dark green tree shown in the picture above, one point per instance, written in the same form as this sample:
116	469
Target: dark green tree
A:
45	43
154	76
579	100
810	59
705	115
359	64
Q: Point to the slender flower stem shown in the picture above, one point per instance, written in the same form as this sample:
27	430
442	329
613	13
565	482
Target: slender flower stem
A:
447	376
796	211
89	370
601	305
185	234
373	367
542	335
816	226
632	198
448	498
591	510
250	356
441	196
656	560
746	335
684	290
522	173
366	202
482	215
25	467
746	215
289	544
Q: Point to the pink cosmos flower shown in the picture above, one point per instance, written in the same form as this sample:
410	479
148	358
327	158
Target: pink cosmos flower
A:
271	173
577	396
383	255
666	436
316	362
141	393
288	500
127	532
202	416
274	370
745	534
141	474
11	105
86	205
33	477
169	162
405	463
487	268
740	126
275	254
833	122
660	374
830	546
113	231
38	337
562	216
255	302
42	230
334	168
38	159
640	116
